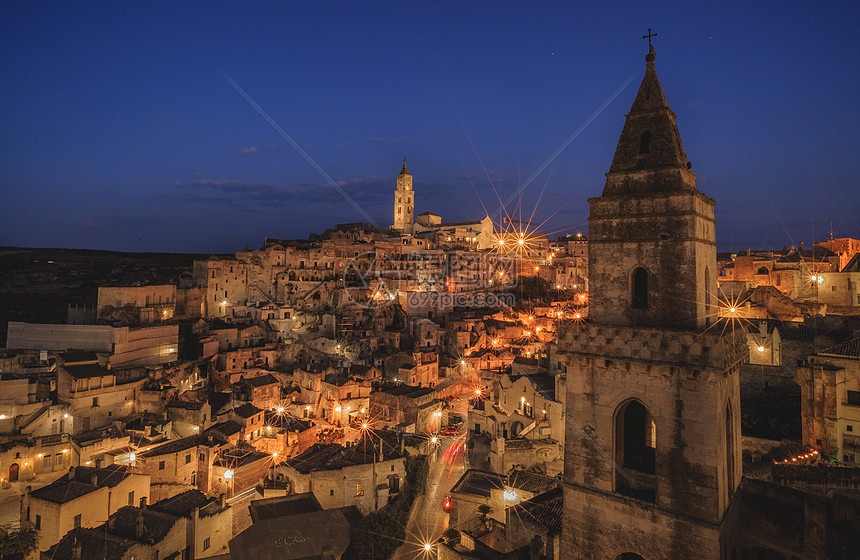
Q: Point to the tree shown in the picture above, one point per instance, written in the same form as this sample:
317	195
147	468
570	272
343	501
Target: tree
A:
484	511
18	543
417	469
377	535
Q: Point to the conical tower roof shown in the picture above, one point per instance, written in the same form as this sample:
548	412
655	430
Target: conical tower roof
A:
404	171
650	156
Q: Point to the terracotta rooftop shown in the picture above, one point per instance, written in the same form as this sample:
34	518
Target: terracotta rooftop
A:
247	410
86	371
80	481
848	349
334	456
544	509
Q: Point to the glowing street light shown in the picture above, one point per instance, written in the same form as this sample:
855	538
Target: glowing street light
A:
760	348
462	362
280	410
228	474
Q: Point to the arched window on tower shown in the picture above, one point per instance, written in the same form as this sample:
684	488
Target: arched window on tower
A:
645	143
640	288
762	270
730	451
707	295
635	451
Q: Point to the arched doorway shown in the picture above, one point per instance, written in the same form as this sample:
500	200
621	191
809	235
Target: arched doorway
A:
13	472
516	428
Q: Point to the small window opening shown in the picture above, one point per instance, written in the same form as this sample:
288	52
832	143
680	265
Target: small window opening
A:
645	143
640	289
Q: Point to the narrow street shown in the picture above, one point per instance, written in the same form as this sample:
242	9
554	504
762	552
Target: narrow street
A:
427	518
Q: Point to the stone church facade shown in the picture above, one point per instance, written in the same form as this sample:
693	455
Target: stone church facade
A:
652	454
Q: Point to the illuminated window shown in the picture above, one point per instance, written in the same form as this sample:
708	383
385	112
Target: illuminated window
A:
359	489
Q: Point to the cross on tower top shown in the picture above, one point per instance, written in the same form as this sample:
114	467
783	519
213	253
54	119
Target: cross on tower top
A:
649	36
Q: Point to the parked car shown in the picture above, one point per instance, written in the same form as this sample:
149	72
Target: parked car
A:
450	431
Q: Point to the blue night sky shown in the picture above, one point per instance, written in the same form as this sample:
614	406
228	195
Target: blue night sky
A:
120	130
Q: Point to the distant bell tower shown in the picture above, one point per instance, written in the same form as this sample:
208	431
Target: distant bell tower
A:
404	201
652	443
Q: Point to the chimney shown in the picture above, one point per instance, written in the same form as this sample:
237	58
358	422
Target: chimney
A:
138	526
749	251
143	502
221	501
76	549
95	480
71	473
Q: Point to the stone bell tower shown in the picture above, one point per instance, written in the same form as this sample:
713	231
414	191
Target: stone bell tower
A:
652	449
404	202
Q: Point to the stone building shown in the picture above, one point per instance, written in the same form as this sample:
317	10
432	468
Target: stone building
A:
127	346
830	402
364	474
85	497
536	522
182	464
189	525
149	304
408	405
652	450
96	395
